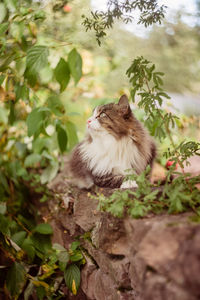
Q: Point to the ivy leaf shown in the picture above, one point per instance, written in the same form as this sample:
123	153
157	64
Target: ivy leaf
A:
75	65
62	74
72	278
37	58
16	279
44	228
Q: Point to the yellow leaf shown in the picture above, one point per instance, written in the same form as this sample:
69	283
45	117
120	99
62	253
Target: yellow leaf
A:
74	291
41	283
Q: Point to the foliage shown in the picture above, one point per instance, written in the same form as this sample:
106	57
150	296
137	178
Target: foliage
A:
178	194
147	84
30	104
34	263
150	12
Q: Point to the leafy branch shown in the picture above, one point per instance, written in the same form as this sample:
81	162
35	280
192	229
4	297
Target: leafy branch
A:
150	13
147	85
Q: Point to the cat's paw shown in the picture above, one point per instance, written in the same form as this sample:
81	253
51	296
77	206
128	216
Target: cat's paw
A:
129	184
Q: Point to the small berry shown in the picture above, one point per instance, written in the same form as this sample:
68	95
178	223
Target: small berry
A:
169	163
67	8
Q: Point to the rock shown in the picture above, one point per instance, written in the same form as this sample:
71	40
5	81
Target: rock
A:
193	167
152	258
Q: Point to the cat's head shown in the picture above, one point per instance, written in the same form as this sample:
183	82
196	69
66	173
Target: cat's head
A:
111	118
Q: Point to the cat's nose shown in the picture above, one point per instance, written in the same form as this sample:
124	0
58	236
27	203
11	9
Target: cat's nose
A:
89	121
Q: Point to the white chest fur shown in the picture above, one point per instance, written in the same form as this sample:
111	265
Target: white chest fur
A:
105	154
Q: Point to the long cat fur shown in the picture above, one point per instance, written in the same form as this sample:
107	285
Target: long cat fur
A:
115	141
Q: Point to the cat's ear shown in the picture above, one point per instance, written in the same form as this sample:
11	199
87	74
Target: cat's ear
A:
124	106
123	101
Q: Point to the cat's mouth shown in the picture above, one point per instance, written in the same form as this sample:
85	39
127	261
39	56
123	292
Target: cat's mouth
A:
93	127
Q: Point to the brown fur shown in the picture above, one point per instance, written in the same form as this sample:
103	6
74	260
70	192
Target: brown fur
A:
120	122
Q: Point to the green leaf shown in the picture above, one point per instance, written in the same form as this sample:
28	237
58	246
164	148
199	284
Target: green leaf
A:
76	257
6	60
2	77
72	278
4	225
35	120
4	182
75	65
44	228
28	247
3	27
32	159
22	92
16	279
31	76
3	115
49	173
71	134
62	74
41	292
63	256
56	106
74	245
17	30
3	12
37	58
42	243
11	117
62	138
20	66
19	237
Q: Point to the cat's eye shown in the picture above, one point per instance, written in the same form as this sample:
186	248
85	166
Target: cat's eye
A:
102	115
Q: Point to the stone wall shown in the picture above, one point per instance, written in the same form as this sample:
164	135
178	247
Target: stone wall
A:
154	258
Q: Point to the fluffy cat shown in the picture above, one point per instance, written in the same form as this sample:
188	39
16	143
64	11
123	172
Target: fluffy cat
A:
115	141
